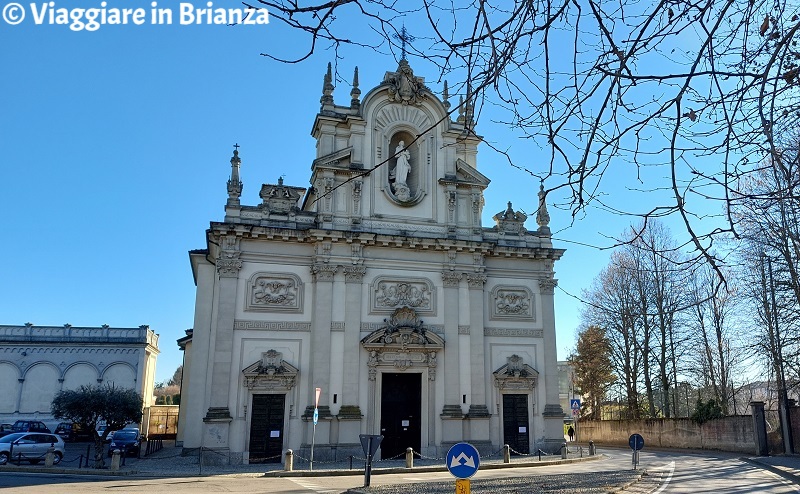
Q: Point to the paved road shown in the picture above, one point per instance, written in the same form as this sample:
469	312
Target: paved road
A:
668	473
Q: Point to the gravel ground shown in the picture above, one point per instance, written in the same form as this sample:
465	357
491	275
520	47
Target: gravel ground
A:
597	483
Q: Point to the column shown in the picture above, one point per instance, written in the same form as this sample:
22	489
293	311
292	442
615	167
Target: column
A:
452	414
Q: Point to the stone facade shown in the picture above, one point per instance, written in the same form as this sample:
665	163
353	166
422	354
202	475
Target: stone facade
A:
36	362
380	287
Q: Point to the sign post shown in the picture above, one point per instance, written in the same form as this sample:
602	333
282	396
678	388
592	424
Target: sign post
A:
369	444
636	442
462	461
314	430
575	405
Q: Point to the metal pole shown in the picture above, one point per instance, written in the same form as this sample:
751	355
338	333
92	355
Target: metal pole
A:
313	434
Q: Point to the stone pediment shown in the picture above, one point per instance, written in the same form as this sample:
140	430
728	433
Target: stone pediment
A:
403	343
467	175
270	373
516	374
337	159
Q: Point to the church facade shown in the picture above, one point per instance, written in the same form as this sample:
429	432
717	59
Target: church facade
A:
375	296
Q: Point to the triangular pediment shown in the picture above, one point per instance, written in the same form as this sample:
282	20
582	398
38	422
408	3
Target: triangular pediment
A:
466	174
337	159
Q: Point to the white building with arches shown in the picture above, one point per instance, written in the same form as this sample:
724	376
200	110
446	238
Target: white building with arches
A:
36	362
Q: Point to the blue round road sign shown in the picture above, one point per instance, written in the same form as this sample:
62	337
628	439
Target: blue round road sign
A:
636	442
462	460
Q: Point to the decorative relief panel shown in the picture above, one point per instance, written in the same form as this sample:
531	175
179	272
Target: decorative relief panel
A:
512	302
274	292
390	293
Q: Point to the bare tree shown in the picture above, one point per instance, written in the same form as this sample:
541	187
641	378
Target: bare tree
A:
686	98
716	351
612	306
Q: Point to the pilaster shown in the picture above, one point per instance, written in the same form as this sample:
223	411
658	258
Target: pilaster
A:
553	414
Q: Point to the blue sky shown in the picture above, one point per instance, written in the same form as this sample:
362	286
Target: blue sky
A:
115	148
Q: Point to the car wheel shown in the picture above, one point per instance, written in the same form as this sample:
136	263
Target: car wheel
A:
3	458
34	462
57	457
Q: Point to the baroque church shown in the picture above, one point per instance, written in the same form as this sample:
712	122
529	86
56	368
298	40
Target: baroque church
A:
376	296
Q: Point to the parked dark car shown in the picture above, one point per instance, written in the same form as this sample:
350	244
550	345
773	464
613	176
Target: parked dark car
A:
127	441
72	432
5	429
30	426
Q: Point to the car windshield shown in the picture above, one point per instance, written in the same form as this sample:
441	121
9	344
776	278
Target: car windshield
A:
123	434
12	437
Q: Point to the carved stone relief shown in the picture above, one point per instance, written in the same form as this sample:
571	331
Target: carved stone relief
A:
512	302
274	292
270	373
516	375
391	293
402	343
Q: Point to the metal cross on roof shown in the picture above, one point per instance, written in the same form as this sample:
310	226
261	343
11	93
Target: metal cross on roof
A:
236	146
404	38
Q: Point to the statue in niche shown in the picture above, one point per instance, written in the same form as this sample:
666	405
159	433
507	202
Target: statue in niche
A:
400	173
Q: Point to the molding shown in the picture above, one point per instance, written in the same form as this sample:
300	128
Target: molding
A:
337	325
450	279
463	330
514	332
272	325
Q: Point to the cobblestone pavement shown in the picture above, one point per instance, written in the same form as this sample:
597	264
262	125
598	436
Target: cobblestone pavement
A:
172	462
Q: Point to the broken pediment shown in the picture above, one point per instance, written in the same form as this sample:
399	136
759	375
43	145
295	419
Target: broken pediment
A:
271	372
516	374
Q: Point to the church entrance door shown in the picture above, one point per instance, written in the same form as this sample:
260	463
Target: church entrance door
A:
515	423
266	428
401	413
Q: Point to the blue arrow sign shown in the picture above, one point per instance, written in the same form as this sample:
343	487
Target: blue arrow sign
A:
462	460
316	416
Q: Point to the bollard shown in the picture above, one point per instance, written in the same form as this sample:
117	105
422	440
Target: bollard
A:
540	454
592	451
506	453
288	460
115	457
580	451
409	457
48	459
351	462
564	451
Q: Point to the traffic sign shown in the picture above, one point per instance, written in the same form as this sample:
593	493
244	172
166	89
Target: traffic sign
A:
575	404
316	416
462	460
636	442
576	412
370	443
